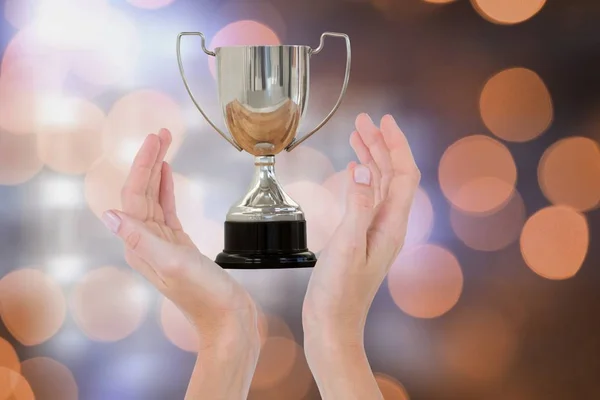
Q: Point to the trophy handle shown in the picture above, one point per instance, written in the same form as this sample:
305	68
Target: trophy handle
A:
187	87
311	51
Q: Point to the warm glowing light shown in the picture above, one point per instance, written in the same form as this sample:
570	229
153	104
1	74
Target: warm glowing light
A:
109	304
507	11
337	184
420	219
478	345
275	363
19	161
242	33
516	105
274	326
555	241
102	186
61	193
150	4
569	173
70	135
390	388
50	379
134	117
439	1
490	232
477	174
177	328
8	357
14	386
322	212
425	281
33	306
304	163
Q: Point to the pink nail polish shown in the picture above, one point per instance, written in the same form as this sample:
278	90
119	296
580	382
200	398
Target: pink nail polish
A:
362	175
112	221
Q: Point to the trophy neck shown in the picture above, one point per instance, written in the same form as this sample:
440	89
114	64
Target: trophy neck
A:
265	199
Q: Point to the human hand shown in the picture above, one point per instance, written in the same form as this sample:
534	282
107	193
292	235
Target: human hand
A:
223	313
354	263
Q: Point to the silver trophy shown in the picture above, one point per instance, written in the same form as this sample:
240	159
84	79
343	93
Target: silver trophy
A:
263	92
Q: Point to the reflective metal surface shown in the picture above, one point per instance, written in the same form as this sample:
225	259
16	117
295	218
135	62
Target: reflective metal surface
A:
265	199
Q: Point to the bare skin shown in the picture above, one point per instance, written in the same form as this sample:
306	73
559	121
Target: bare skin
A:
342	286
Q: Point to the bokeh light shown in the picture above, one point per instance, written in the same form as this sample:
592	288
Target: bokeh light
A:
439	1
109	303
390	388
490	232
177	328
271	325
569	173
8	357
515	105
425	281
150	4
49	379
242	33
103	184
135	116
555	241
507	11
19	161
33	306
277	358
13	386
70	136
321	210
293	166
477	346
477	174
420	219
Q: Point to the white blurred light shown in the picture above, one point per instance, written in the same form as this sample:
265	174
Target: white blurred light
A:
128	148
62	192
139	294
56	110
65	269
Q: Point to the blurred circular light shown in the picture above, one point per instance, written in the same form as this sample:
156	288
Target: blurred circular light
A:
33	306
337	184
507	12
477	345
420	219
275	363
304	163
569	173
555	241
49	379
274	326
102	186
19	162
8	357
150	4
490	232
477	174
134	117
14	386
515	105
109	304
425	281
320	209
242	33
439	1
70	136
177	328
390	388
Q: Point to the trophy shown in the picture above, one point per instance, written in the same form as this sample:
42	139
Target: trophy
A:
263	92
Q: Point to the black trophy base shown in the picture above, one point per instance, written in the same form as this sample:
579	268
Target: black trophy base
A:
265	245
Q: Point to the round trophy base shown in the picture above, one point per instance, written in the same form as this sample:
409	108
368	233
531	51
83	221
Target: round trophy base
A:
265	245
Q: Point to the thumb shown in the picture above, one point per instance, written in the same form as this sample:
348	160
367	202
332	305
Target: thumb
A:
138	238
360	199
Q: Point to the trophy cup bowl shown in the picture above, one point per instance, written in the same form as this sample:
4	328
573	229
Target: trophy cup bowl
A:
263	91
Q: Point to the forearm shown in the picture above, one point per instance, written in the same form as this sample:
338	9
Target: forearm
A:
224	370
340	367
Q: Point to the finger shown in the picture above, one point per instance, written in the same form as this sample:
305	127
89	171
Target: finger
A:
154	186
401	155
167	198
360	202
374	141
365	158
133	194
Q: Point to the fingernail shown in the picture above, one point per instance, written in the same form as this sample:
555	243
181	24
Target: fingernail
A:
362	175
112	221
